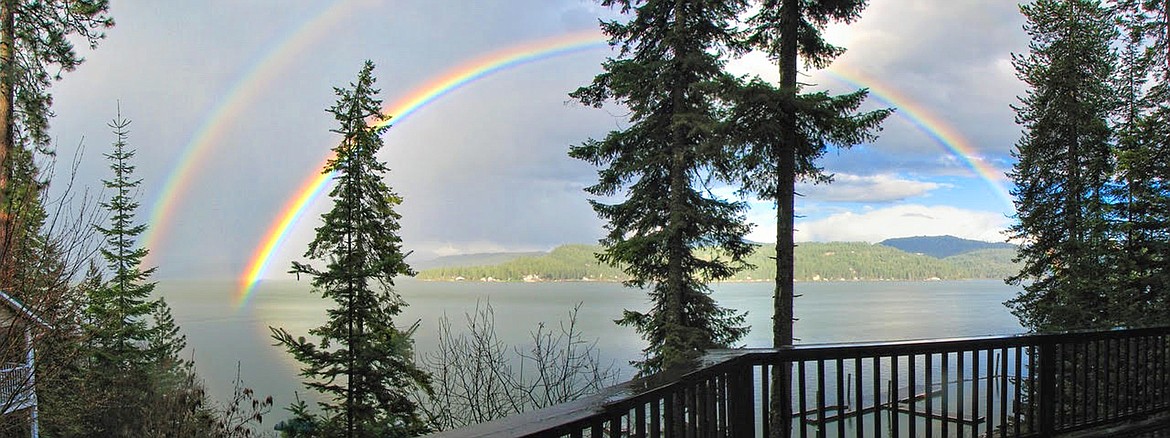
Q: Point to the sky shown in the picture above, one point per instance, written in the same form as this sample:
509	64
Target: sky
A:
227	101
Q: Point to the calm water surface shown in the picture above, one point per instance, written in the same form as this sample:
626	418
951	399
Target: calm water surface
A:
220	335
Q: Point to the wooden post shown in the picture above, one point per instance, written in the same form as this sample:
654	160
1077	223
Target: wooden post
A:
1047	402
741	401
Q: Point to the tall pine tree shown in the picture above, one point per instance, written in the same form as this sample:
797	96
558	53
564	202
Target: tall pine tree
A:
1064	165
783	132
362	362
134	344
1142	189
670	77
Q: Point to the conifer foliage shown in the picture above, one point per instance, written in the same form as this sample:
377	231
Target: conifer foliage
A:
671	79
1065	166
133	342
782	132
1142	189
362	361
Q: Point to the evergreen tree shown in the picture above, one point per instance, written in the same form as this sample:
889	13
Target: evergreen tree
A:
1064	165
121	309
670	77
133	341
1142	189
785	132
35	47
362	362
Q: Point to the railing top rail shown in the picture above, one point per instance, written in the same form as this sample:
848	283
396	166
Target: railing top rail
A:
921	346
622	396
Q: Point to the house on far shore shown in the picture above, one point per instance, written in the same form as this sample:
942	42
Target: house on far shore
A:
18	325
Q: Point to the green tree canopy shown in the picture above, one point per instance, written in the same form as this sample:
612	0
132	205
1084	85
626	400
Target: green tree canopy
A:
1065	164
362	362
671	78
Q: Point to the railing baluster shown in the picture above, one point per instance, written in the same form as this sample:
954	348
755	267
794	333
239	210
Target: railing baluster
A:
911	382
1163	367
640	421
929	403
1003	392
859	425
894	397
690	412
990	396
840	368
670	421
765	407
959	367
975	392
1111	371
820	398
877	396
1016	400
1047	389
718	419
802	395
1033	394
655	418
1127	375
712	407
1095	406
946	392
1089	367
698	417
1074	380
1147	389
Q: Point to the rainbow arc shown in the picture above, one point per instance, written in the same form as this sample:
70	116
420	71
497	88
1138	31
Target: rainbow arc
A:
245	89
399	111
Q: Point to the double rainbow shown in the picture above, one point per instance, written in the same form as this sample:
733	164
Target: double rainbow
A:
244	90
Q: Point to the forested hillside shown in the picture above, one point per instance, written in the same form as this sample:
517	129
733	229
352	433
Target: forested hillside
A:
837	261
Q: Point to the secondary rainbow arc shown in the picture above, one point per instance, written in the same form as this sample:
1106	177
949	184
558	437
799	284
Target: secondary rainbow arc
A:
237	98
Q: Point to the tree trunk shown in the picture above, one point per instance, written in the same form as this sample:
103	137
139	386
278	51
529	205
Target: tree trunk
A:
782	330
7	140
677	248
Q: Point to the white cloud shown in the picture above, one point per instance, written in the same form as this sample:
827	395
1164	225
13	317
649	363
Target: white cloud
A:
867	188
904	221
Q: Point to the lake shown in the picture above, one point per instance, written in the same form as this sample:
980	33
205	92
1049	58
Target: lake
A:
219	335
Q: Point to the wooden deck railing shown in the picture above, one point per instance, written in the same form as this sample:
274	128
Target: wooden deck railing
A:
1007	386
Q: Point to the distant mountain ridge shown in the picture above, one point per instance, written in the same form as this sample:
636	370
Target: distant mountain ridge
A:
835	261
942	246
